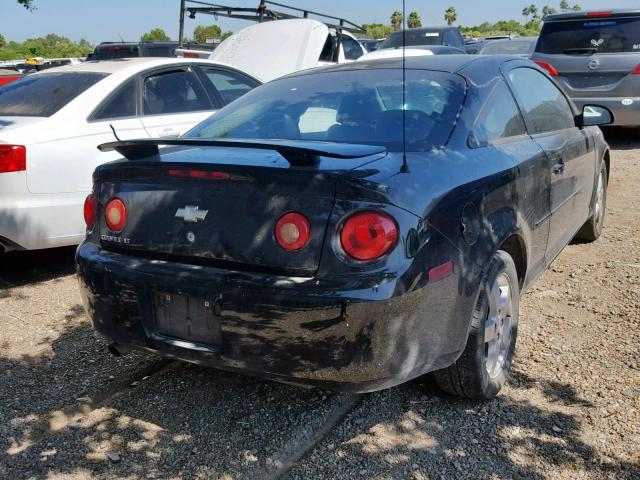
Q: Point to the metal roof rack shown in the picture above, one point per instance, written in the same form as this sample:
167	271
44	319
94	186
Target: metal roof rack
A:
262	13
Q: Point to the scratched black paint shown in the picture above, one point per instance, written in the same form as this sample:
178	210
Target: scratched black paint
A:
315	316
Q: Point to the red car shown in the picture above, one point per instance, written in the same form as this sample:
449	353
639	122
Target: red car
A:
8	76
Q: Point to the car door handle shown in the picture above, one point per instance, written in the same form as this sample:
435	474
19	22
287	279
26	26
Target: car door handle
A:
558	167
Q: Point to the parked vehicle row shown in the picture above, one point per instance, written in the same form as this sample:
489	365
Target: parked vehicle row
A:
359	220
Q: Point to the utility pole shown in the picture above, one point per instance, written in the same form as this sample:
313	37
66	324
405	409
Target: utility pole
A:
181	29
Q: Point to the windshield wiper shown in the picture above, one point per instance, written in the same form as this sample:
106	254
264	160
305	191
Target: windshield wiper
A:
580	51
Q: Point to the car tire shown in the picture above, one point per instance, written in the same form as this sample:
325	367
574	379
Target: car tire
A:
592	228
483	368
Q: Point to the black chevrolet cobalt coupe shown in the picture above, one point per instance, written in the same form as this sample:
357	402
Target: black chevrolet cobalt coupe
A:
346	228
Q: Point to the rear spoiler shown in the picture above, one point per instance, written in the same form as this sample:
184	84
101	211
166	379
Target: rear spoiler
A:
298	153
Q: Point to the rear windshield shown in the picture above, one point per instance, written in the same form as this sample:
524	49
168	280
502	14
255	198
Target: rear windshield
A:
43	94
413	38
602	35
508	47
358	107
112	52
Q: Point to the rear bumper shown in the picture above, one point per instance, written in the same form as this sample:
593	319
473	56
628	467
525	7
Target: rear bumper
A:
346	334
32	221
623	115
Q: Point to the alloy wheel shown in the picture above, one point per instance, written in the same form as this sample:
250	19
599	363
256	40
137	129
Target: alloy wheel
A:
497	326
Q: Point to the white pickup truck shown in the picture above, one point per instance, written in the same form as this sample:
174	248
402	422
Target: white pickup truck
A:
272	49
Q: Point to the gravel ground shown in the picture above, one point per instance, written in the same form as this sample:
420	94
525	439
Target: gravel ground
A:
571	411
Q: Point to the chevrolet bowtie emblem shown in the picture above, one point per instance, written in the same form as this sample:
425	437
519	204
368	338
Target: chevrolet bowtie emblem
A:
191	214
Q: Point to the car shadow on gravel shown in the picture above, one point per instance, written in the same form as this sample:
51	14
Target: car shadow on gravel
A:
18	268
72	409
413	431
75	410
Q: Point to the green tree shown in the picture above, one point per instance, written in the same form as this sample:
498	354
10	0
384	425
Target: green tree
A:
155	35
202	32
3	42
576	8
525	13
450	15
396	20
414	20
564	5
548	11
377	30
51	46
533	11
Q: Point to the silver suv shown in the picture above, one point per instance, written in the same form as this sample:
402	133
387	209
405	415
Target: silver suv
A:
595	56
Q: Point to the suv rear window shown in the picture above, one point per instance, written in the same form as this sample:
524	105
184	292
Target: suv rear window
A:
43	94
112	52
603	35
413	38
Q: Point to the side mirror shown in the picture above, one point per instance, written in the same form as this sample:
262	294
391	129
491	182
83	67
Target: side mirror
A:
594	115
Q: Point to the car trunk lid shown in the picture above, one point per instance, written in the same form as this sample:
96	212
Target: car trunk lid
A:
219	206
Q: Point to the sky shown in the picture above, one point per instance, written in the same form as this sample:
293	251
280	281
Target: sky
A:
99	20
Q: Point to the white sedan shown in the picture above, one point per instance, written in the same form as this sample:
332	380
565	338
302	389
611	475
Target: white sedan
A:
52	122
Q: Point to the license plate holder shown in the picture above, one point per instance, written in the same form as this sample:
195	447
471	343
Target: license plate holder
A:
187	318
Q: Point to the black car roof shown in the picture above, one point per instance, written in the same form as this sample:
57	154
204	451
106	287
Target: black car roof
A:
603	13
441	63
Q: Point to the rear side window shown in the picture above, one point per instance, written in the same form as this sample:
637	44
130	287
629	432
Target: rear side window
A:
122	104
174	92
44	94
352	49
230	85
603	35
499	119
544	105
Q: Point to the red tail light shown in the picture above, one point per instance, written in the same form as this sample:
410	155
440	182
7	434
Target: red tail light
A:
13	158
369	235
599	14
293	231
548	67
116	215
636	71
190	55
90	211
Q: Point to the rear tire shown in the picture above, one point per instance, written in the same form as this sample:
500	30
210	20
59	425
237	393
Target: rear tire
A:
483	367
592	228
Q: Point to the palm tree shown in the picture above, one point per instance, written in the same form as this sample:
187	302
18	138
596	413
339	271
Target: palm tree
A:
414	20
564	5
396	20
526	11
450	15
577	8
533	11
548	11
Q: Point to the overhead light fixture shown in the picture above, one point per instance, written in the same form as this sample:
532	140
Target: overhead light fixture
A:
192	15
